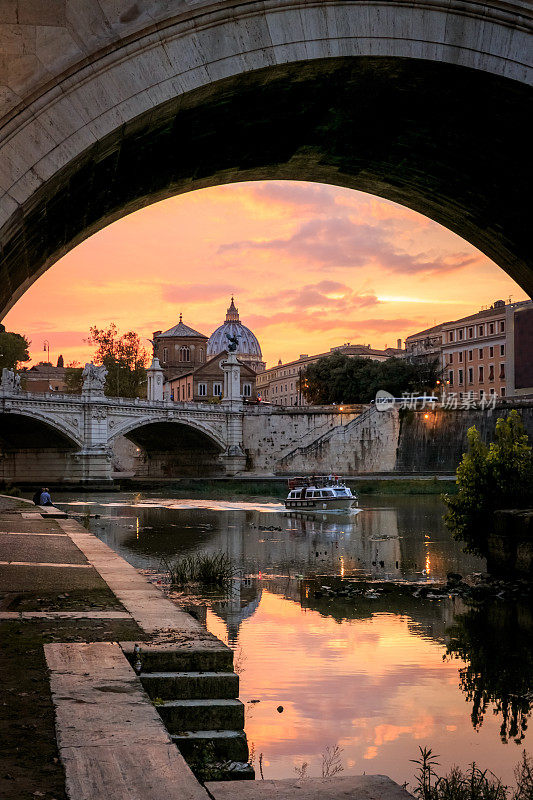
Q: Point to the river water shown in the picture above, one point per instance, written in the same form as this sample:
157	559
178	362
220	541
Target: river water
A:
378	677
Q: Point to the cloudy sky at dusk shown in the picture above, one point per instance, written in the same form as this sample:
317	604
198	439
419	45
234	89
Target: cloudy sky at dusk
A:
311	267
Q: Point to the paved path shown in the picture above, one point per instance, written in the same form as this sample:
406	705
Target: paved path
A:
112	741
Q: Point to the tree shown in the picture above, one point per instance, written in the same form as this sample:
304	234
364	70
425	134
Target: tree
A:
338	378
489	478
13	349
124	359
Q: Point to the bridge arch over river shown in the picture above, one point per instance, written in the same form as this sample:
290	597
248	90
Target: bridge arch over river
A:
107	107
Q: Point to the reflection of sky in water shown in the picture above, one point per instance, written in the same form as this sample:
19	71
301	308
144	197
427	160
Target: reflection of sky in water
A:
368	675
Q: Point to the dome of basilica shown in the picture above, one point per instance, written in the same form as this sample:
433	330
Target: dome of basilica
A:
248	349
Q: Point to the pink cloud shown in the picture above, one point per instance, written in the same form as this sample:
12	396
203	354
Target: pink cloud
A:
301	196
192	292
340	242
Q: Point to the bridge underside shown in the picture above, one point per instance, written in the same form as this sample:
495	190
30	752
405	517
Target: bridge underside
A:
171	450
445	140
32	451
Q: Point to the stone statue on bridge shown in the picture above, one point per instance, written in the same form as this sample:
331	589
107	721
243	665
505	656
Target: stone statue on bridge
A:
10	381
233	343
93	378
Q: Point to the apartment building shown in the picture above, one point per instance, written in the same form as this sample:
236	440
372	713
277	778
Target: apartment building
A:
280	384
484	354
474	353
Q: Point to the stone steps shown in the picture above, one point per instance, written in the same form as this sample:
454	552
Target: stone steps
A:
202	714
213	656
224	745
196	692
183	685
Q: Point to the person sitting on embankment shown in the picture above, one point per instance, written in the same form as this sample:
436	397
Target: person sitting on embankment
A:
45	499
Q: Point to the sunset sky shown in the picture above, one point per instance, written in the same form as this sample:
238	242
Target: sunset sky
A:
311	267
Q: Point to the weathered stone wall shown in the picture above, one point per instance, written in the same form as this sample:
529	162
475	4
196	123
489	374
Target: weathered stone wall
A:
437	443
52	465
313	440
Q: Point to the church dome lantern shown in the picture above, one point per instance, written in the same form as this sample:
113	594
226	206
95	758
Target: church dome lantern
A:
248	348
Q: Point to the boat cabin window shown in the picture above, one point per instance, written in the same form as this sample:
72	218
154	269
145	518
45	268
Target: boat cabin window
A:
327	493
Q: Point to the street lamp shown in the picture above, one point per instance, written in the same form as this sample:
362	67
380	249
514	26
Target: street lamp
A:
46	349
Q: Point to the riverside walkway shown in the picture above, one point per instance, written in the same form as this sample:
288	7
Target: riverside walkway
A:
75	718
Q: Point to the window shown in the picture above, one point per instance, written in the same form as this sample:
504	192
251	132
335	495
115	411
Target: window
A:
502	391
188	390
450	377
201	354
481	376
185	354
502	371
502	326
247	390
461	357
502	349
491	328
450	358
492	390
470	375
491	352
491	372
450	336
481	352
202	389
481	394
217	390
165	354
470	333
461	332
470	355
460	377
481	330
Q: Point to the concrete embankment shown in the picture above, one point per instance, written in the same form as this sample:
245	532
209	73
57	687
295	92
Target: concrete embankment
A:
76	690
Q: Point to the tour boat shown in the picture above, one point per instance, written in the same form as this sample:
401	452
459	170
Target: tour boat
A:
322	493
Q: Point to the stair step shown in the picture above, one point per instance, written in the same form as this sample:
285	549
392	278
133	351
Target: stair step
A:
202	714
182	685
236	771
221	745
205	656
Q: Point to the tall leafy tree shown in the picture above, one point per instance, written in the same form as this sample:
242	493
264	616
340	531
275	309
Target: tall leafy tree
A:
124	358
339	378
490	477
13	349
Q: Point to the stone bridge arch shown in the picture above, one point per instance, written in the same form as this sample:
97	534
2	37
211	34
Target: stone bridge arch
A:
36	448
53	422
109	107
164	447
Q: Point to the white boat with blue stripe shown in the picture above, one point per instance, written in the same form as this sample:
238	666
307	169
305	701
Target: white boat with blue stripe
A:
320	493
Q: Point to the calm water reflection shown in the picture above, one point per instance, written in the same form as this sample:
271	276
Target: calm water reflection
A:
378	677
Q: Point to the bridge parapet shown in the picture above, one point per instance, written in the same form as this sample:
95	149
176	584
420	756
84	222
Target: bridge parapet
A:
92	423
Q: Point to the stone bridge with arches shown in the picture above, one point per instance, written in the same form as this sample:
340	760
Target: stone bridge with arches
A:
72	438
93	439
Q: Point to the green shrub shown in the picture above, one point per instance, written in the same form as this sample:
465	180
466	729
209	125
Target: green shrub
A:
488	478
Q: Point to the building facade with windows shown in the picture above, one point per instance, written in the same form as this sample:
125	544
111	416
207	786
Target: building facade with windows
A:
179	349
485	354
206	383
425	345
280	385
